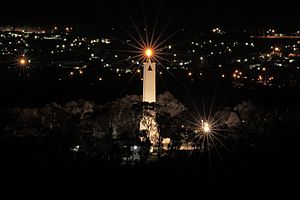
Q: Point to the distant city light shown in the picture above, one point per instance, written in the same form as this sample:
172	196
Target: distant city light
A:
23	61
75	149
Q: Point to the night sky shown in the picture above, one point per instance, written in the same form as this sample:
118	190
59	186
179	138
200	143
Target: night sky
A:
229	13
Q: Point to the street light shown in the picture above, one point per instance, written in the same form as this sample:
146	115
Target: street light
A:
205	127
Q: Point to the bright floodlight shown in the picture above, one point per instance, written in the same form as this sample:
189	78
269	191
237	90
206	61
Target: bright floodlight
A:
23	61
148	52
206	127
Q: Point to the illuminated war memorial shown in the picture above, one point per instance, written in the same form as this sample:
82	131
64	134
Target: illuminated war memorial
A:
148	121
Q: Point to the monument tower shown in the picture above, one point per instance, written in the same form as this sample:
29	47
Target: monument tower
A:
149	82
149	95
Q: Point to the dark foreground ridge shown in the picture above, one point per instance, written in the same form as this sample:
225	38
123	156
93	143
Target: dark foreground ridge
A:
249	170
